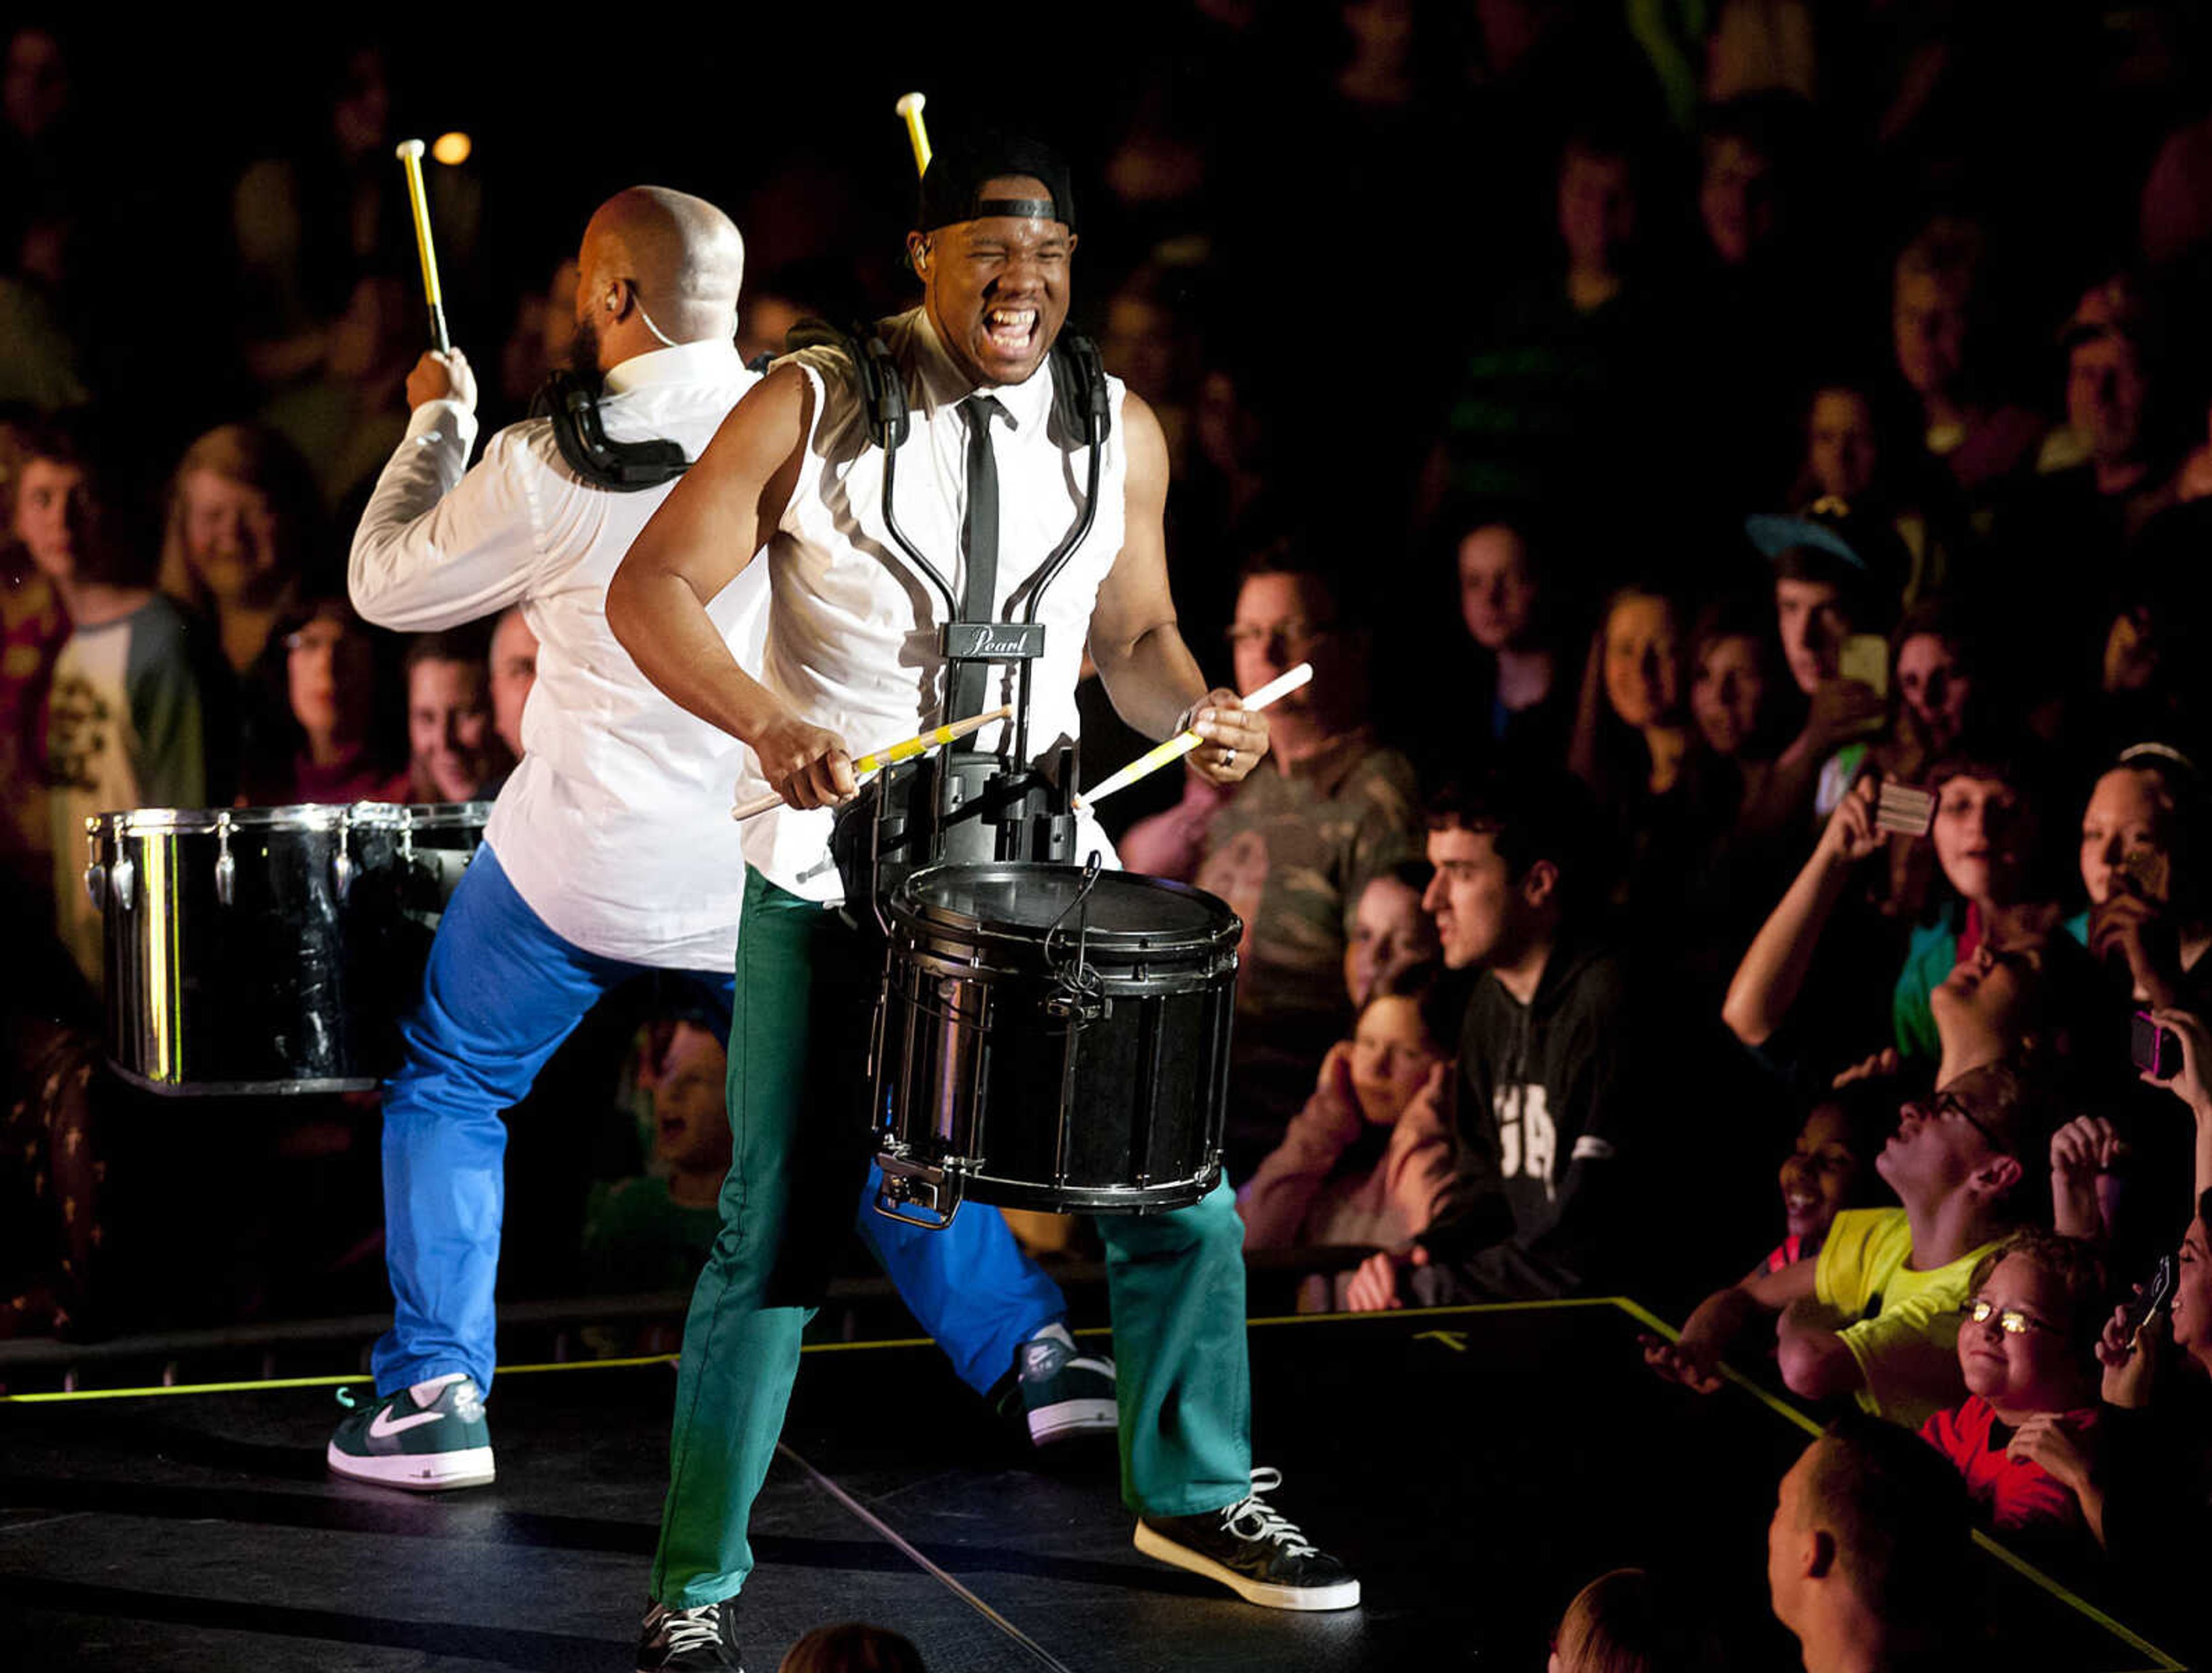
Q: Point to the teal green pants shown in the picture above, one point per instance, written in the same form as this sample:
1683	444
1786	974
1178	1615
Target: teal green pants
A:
801	1143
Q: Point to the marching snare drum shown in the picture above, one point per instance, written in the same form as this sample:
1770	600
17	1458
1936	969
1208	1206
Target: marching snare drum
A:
269	949
1053	1038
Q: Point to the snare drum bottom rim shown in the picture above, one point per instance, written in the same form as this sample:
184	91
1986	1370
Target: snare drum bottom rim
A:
1088	1199
242	1088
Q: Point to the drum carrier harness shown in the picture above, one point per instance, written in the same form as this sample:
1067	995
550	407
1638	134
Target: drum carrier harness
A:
963	806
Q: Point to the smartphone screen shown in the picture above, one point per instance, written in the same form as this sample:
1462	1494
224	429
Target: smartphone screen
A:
2154	1050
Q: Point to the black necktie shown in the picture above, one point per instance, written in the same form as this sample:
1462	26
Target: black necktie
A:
978	546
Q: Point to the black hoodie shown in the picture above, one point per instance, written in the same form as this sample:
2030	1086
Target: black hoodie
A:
1545	1139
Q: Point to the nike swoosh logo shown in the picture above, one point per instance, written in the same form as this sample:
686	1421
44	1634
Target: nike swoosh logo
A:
384	1425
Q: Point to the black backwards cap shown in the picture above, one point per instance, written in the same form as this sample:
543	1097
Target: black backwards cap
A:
952	187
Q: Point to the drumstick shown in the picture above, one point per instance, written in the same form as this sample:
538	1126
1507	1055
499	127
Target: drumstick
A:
411	160
1187	740
892	756
910	107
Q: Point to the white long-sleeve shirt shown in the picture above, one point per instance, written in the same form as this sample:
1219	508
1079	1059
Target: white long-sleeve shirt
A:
615	827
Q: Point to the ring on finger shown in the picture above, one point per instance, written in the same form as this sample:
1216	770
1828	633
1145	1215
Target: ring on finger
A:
1228	755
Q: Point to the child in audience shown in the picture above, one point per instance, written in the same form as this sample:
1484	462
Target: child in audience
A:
1617	1624
1362	1163
2024	1349
1832	1167
652	1233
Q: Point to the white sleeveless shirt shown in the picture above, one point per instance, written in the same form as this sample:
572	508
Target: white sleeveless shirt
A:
852	639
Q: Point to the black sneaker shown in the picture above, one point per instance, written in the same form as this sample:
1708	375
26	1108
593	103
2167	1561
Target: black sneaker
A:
427	1438
695	1640
1254	1550
1064	1393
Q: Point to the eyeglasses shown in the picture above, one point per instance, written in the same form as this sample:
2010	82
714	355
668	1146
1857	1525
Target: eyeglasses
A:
1950	1103
1296	636
2011	1320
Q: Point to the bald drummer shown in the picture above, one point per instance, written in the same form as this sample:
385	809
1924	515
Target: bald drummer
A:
611	851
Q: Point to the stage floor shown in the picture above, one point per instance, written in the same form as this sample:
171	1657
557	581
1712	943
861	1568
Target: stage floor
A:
1476	1466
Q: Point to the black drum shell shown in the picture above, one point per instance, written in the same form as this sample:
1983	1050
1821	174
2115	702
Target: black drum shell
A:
294	984
1117	1112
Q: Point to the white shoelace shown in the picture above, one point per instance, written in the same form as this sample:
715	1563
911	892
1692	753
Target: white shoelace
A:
1251	1518
697	1629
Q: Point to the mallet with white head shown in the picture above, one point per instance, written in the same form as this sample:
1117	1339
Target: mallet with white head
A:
411	160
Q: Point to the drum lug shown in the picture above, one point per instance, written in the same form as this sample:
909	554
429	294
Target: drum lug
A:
1080	1008
341	866
123	875
934	1191
95	874
225	869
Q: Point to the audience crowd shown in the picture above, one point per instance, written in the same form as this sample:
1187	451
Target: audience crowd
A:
1755	584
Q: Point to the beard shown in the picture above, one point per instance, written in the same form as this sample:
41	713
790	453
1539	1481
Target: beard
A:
584	353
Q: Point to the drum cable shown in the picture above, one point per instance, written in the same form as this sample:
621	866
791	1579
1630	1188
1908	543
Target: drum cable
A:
1080	991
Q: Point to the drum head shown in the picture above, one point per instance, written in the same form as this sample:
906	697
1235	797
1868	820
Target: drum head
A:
1122	909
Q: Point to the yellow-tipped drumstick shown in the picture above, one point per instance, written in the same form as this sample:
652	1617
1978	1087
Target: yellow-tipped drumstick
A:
411	160
1187	740
891	757
910	107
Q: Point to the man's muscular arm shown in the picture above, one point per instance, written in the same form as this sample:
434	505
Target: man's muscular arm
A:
1148	670
707	531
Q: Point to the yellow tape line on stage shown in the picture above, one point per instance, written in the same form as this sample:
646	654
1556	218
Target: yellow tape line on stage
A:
260	1384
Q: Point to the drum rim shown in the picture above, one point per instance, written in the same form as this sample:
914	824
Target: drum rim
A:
292	816
907	906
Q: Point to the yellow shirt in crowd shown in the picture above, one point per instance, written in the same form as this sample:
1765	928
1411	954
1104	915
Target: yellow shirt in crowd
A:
1905	1338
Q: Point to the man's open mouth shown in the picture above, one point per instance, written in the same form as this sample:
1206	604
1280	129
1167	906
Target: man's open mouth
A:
1011	330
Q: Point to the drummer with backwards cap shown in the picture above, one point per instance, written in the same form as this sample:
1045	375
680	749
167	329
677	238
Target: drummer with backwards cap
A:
851	664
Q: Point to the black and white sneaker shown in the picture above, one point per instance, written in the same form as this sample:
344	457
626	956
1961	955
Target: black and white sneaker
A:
427	1439
1065	1393
703	1640
1253	1549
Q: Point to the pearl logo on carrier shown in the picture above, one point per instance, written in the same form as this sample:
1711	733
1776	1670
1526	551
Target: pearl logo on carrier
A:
992	641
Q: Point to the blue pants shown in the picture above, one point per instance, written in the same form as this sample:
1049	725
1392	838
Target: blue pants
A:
502	991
